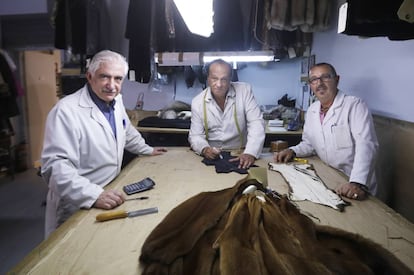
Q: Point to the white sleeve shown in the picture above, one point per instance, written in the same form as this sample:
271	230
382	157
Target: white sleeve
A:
197	135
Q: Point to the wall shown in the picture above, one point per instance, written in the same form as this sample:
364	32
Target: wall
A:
376	69
269	82
10	7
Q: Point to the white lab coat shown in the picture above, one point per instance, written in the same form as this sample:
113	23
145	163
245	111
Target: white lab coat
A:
222	129
81	154
346	140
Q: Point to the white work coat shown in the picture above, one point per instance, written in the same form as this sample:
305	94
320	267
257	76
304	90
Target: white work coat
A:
81	154
222	127
345	140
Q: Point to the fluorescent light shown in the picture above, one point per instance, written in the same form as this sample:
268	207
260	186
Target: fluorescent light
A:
200	58
241	56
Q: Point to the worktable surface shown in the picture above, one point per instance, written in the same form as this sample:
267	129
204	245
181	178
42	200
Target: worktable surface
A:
84	246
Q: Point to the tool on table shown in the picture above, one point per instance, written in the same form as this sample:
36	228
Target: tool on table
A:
138	198
218	151
306	172
305	161
118	214
139	186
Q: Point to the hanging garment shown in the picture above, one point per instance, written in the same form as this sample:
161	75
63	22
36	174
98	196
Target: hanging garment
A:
364	20
308	16
227	232
82	26
8	90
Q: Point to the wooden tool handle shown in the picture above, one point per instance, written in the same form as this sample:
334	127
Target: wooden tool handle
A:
111	215
305	161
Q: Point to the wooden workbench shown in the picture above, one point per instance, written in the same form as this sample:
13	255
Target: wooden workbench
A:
84	246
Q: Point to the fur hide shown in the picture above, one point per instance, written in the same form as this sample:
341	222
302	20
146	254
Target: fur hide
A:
226	232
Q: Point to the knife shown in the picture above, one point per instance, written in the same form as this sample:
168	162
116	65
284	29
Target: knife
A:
118	214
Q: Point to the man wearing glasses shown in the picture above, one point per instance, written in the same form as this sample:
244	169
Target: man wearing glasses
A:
226	116
340	130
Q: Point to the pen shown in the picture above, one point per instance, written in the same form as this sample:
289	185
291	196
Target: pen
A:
332	127
138	198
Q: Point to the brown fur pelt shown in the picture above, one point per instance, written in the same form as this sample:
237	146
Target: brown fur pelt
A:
225	232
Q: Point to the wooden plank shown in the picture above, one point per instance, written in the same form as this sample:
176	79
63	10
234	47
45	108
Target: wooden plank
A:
84	246
40	69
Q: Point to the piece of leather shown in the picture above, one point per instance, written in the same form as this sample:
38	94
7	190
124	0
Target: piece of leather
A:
307	186
224	165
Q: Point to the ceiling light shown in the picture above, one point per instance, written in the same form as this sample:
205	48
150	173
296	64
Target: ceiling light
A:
197	15
201	58
241	56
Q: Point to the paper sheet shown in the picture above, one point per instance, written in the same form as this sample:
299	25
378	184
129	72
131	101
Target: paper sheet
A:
276	129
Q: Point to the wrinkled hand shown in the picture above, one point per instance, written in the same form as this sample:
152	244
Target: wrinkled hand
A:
351	190
158	151
109	199
246	160
284	155
211	152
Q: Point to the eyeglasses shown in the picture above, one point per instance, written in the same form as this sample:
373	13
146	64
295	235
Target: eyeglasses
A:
323	78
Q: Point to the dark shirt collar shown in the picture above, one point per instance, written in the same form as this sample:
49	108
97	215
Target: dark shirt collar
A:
102	105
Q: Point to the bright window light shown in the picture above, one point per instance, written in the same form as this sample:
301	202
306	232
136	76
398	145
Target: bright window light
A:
197	15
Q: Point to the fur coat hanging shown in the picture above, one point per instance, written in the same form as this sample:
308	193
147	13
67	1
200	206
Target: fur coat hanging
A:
227	232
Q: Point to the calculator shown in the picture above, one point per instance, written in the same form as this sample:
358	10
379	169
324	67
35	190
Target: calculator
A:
140	186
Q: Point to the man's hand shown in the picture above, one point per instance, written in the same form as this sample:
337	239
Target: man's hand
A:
158	151
351	190
109	199
246	160
211	152
284	156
